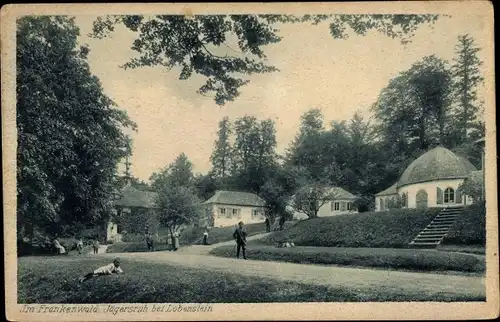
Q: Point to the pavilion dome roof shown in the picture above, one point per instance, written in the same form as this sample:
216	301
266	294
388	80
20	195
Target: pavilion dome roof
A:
436	164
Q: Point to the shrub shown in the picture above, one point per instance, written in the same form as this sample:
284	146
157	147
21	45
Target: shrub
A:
469	228
395	228
410	259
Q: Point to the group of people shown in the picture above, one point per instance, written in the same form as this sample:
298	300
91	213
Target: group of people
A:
173	241
239	235
280	226
61	250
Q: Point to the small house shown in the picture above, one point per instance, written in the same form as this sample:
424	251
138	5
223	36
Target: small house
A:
342	202
227	208
130	200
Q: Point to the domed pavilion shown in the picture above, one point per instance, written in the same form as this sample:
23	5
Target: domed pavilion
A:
432	180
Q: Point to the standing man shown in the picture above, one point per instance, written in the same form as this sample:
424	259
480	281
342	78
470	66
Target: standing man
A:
176	241
282	222
150	242
240	235
95	246
268	225
205	237
79	245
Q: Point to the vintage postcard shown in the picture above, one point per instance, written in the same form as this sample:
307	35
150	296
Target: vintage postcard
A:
249	161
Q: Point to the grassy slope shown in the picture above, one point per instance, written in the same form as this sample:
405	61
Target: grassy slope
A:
469	228
393	229
188	237
54	280
408	259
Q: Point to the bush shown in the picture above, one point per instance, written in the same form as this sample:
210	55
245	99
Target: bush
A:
469	228
395	228
409	259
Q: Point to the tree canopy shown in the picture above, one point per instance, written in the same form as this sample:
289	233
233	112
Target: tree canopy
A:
70	134
193	43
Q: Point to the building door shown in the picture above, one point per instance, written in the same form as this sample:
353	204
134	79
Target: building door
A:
421	199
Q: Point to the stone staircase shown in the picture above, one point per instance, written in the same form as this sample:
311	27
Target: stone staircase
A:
434	233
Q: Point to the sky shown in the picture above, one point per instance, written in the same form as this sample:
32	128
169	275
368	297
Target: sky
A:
339	76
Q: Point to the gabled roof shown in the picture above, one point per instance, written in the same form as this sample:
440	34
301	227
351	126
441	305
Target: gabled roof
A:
340	193
132	197
337	193
236	198
436	164
392	190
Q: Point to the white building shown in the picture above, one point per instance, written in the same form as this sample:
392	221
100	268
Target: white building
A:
432	180
342	203
228	208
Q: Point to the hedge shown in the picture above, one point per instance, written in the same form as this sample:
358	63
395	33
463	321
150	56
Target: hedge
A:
408	259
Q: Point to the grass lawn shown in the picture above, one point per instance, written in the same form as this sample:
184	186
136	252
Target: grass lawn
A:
472	249
55	280
188	237
392	229
407	259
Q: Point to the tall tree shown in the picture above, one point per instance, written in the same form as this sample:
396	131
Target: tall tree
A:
467	77
412	109
254	152
221	155
307	148
178	173
177	201
70	137
196	44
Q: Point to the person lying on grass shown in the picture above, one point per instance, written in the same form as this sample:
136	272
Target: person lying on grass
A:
104	270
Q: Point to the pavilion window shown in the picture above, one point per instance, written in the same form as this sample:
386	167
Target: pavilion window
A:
449	195
382	204
336	206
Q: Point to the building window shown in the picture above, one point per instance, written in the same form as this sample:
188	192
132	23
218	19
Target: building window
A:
349	206
256	214
449	195
236	212
404	200
336	206
222	211
119	229
382	204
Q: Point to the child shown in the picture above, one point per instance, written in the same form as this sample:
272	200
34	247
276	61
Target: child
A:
104	270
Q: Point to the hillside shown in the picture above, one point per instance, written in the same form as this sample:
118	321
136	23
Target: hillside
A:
393	229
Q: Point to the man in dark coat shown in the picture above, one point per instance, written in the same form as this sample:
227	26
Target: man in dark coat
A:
240	235
282	222
150	242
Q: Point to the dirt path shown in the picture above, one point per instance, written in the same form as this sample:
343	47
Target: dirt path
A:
396	282
205	249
